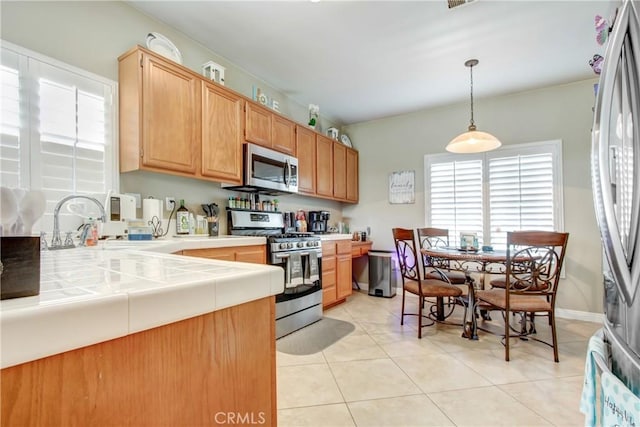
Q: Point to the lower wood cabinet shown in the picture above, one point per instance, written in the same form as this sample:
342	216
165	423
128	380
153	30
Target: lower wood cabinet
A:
256	254
204	371
336	272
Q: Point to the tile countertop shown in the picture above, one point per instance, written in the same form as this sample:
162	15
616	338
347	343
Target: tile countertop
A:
331	236
91	295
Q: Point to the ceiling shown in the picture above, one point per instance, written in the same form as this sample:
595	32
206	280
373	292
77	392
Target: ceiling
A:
363	60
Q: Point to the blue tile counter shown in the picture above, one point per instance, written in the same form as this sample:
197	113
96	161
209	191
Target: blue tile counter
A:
91	295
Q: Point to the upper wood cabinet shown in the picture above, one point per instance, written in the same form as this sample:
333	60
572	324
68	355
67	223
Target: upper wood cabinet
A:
283	133
258	124
352	176
266	128
339	171
159	114
324	164
222	123
306	149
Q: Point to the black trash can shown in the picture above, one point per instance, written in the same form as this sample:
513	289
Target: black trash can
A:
383	273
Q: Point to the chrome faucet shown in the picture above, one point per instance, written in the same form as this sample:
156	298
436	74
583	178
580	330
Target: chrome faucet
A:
56	241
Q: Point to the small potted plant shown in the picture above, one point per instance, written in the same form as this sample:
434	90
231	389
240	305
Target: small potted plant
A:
314	112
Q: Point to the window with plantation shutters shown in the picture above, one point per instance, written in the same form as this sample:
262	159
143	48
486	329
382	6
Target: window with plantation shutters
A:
57	131
517	187
456	196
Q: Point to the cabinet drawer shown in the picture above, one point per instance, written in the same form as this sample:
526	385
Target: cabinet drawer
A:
328	264
328	249
343	247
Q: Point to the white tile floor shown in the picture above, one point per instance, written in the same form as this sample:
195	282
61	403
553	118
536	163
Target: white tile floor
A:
381	374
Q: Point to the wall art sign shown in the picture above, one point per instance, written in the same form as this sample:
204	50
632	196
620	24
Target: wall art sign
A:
402	187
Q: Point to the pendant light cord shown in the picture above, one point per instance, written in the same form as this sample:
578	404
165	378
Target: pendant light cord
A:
471	78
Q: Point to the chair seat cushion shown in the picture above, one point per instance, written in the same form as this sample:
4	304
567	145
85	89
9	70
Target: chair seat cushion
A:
500	282
517	302
455	277
433	288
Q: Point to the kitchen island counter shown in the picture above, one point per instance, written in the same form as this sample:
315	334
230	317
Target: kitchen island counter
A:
130	337
90	295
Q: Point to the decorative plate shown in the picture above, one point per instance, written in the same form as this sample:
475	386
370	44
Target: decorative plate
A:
345	140
162	45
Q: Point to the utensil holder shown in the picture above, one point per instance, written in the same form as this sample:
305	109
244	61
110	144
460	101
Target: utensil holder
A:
19	267
213	228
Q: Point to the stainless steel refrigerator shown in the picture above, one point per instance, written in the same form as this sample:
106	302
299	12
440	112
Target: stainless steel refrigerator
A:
616	186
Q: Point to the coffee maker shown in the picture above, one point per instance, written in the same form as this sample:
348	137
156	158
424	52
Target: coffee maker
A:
318	221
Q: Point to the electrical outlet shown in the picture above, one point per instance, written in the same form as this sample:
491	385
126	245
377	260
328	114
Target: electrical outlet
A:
169	203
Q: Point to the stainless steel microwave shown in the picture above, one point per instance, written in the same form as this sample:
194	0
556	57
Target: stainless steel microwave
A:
267	171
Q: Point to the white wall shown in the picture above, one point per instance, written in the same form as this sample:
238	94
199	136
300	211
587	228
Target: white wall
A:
561	112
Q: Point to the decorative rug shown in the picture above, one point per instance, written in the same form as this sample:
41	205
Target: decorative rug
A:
315	337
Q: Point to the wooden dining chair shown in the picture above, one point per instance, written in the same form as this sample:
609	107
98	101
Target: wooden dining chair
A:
534	261
412	281
431	237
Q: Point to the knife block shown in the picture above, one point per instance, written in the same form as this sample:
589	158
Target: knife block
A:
20	267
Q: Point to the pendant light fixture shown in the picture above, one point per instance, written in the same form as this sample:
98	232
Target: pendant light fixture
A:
473	141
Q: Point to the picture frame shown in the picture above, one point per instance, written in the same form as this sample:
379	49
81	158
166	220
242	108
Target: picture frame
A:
402	187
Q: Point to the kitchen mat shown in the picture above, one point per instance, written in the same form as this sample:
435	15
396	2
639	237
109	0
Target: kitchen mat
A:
315	337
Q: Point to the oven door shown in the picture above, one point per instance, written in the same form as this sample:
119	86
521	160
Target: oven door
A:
299	305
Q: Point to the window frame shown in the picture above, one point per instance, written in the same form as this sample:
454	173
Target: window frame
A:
551	146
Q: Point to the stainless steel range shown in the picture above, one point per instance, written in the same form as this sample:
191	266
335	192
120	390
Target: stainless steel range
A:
300	254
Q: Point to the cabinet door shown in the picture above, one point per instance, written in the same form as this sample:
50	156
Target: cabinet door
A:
339	171
324	163
221	134
224	254
306	152
343	276
171	116
283	135
329	295
258	124
352	175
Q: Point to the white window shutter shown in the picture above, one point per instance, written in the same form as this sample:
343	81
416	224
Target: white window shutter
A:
456	197
65	141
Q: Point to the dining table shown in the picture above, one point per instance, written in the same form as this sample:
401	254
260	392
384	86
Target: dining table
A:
468	261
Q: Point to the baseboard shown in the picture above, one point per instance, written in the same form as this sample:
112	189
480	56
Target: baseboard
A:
585	316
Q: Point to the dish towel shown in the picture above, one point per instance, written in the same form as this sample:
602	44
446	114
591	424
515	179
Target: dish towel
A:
311	272
620	407
588	400
294	271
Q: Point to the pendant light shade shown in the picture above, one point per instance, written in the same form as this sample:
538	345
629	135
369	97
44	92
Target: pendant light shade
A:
473	141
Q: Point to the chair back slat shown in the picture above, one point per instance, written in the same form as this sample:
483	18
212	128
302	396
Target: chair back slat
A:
406	251
534	261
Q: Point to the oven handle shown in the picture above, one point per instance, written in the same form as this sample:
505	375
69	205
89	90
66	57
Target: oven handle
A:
286	255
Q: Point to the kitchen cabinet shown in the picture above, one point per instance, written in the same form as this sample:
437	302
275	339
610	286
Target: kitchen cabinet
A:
352	175
283	135
306	149
254	254
339	171
183	373
159	114
222	123
268	129
324	166
336	272
258	124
